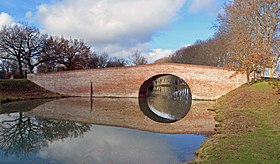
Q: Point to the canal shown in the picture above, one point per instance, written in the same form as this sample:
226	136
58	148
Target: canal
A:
100	130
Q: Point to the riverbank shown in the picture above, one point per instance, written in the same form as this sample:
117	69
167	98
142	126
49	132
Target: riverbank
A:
248	127
23	89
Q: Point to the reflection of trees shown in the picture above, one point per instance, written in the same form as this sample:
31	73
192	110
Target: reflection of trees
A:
172	92
169	96
57	129
169	106
171	100
22	135
169	80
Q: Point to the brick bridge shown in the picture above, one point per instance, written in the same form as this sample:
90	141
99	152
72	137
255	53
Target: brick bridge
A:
206	83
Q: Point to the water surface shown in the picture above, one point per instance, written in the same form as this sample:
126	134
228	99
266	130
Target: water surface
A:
80	130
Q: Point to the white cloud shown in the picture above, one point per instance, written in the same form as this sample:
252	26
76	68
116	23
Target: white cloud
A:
28	14
5	19
156	54
203	5
118	50
109	25
104	144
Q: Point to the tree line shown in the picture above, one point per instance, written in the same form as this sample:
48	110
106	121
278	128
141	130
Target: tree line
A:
247	38
25	49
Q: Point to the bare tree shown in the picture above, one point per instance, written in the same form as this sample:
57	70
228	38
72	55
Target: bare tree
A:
22	44
8	68
116	62
12	44
35	47
68	54
209	52
97	61
137	59
48	66
251	28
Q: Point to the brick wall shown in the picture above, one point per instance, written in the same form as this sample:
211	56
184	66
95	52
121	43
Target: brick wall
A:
205	82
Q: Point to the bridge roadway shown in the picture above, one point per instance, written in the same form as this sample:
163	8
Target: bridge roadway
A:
206	83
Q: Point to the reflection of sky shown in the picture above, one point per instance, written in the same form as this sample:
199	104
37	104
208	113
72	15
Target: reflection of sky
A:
161	114
119	145
169	102
105	144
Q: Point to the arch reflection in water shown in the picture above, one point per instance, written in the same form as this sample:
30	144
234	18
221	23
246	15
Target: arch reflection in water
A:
168	99
66	131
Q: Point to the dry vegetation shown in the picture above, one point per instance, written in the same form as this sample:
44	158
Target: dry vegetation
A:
21	89
247	127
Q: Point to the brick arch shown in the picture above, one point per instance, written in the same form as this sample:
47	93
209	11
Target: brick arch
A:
144	86
146	108
207	83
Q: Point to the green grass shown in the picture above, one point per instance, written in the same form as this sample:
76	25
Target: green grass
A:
247	132
262	86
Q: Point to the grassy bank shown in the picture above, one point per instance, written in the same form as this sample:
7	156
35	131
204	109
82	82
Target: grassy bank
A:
22	89
248	127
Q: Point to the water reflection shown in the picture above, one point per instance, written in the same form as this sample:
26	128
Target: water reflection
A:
65	131
51	141
23	106
169	103
125	112
104	144
168	99
21	135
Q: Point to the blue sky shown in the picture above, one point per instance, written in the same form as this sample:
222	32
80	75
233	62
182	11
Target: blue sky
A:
156	28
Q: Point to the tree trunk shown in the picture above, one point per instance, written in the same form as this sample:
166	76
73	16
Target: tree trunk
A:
20	68
248	76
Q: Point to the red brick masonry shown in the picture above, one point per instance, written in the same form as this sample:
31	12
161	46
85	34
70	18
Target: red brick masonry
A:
206	83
